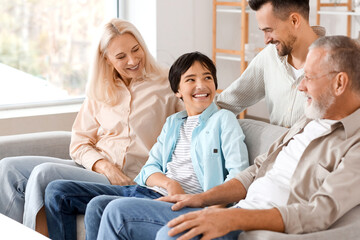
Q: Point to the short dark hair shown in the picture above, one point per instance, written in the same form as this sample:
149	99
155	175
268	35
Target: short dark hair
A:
283	8
184	62
343	55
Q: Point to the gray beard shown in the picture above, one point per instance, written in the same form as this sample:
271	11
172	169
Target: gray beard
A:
317	109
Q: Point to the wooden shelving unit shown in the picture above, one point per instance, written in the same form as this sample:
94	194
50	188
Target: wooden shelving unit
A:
348	13
236	55
230	54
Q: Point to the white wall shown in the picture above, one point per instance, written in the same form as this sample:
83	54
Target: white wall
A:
142	13
182	26
171	28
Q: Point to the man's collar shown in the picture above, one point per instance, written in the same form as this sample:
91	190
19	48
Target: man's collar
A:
350	123
319	30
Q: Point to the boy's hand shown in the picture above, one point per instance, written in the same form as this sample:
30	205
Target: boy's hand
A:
173	187
184	200
161	180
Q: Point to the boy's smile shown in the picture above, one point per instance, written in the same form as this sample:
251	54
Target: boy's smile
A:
196	88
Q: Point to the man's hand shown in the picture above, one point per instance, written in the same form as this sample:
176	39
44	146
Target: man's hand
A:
216	222
211	223
184	200
112	172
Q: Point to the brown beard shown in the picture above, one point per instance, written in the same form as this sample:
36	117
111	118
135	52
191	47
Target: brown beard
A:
287	47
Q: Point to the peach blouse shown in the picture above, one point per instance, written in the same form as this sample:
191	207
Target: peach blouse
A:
124	133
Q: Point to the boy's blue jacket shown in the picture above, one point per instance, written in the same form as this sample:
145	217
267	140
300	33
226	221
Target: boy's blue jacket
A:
218	151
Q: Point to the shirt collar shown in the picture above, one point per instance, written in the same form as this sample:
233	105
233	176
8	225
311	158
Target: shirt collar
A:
351	123
319	30
204	116
119	82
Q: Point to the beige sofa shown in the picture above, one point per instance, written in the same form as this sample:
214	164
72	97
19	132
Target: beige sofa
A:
259	136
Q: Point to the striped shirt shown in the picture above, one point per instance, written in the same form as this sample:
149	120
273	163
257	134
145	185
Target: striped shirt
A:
180	168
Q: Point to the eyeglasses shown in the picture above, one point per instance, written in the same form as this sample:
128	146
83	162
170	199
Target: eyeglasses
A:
312	78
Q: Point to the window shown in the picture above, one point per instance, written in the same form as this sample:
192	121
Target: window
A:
46	48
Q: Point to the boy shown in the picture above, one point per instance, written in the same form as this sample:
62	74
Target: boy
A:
197	149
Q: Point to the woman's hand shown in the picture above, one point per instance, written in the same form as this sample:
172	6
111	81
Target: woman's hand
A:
112	172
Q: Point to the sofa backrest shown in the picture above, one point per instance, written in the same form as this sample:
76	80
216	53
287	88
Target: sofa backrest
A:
259	136
52	144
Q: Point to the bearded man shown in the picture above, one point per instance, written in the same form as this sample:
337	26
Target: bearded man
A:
275	73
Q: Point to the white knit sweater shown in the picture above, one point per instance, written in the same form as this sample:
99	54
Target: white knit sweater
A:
268	76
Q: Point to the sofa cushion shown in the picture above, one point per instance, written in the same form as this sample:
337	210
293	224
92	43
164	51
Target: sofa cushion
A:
259	136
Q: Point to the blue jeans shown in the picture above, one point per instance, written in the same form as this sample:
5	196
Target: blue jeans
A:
23	181
65	199
141	219
97	205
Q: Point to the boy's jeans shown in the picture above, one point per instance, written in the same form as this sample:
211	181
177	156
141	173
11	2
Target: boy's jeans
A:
142	219
65	199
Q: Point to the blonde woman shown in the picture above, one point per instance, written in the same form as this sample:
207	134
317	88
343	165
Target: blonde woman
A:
128	101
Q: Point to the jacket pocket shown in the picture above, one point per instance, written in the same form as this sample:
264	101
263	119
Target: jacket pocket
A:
321	173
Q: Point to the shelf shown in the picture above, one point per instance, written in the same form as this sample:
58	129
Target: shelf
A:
231	11
230	4
239	7
339	13
237	59
345	3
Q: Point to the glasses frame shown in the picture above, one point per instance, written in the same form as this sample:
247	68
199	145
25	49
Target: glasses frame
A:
308	79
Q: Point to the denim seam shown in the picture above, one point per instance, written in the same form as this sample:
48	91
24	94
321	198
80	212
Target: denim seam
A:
61	203
139	220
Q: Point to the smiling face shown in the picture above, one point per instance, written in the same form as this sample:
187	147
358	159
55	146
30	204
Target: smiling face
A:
317	107
196	88
276	31
317	85
126	55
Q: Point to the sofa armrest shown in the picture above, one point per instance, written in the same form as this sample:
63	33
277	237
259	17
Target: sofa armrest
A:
347	227
52	144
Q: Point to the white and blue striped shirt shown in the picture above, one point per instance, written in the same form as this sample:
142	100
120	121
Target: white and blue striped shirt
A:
180	168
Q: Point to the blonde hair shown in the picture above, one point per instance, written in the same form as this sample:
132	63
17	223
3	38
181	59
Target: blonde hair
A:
101	83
